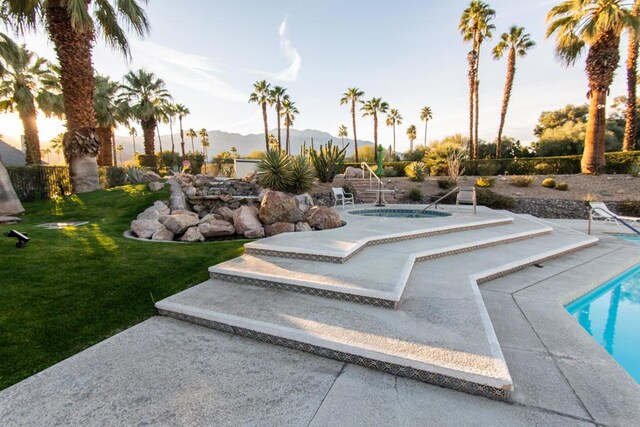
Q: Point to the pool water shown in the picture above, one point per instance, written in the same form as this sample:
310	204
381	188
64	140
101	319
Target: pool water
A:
611	315
634	238
399	213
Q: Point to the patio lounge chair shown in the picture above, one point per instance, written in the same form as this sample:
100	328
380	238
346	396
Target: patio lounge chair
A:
466	195
600	211
340	196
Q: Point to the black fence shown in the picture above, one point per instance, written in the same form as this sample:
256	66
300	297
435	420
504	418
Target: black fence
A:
38	182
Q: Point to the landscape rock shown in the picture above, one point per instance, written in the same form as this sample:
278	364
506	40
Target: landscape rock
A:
158	208
279	207
184	212
215	228
149	176
190	191
192	235
226	213
279	228
179	223
211	217
352	172
254	234
162	233
156	186
304	208
323	218
246	221
303	226
177	199
144	228
304	199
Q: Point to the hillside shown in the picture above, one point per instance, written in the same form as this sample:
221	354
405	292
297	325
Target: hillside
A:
11	155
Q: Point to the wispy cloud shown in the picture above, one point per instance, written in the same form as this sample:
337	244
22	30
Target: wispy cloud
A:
290	73
184	69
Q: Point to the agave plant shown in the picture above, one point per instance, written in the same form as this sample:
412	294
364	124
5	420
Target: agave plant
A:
274	171
303	174
328	160
415	171
134	174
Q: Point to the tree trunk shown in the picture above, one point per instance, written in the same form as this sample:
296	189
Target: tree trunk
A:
113	148
425	131
104	136
508	85
288	145
632	70
73	48
375	136
278	114
173	144
9	202
266	127
159	138
181	137
193	147
355	137
596	128
31	137
149	131
394	137
471	57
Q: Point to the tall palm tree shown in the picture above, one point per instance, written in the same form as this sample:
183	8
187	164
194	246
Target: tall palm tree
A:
170	111
425	115
412	134
632	73
261	96
145	94
29	80
276	96
106	110
119	149
191	133
596	24
394	118
204	138
353	95
72	26
371	108
181	111
289	113
475	26
133	132
517	43
343	133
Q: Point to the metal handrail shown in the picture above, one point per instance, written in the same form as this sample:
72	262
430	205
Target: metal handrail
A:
610	215
438	201
371	173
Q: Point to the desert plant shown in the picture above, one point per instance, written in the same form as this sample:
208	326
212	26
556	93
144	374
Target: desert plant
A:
544	168
134	174
562	186
634	170
303	175
416	194
445	183
549	183
274	171
415	171
116	177
454	164
493	200
485	182
328	161
390	172
522	181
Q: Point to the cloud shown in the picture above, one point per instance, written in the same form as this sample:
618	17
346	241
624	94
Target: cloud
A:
289	74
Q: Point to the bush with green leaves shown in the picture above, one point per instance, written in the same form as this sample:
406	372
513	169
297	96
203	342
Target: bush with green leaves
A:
115	177
562	186
488	169
415	171
303	175
274	171
549	183
389	172
485	182
416	194
328	161
544	168
134	174
522	181
445	183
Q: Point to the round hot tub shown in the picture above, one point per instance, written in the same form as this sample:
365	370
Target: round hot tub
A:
399	213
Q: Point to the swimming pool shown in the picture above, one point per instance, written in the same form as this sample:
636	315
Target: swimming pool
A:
611	314
634	238
399	213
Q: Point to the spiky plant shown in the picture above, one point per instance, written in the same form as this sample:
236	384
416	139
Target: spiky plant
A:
328	160
415	171
274	171
303	174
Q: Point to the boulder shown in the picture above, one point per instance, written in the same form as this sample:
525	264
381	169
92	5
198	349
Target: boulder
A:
304	208
211	217
149	176
246	221
144	228
179	223
279	228
190	191
323	218
279	207
156	186
303	226
177	199
153	212
261	195
352	172
215	228
162	233
192	235
184	212
304	199
226	198
226	213
254	234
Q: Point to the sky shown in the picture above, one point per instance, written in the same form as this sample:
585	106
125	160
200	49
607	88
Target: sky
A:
408	52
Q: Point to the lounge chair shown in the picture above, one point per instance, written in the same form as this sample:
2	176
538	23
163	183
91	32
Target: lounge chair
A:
340	196
466	195
600	211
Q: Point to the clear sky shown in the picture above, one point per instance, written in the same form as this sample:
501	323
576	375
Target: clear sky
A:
409	52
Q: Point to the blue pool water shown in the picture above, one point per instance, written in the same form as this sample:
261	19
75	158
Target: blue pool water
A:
399	213
629	237
611	315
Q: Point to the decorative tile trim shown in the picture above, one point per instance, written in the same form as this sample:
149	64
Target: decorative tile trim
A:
324	293
390	368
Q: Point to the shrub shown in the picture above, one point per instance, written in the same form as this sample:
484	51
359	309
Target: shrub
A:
389	172
328	161
274	171
634	170
147	161
415	171
416	194
493	200
485	182
544	169
522	181
115	176
303	175
562	186
488	169
549	183
196	160
445	183
134	174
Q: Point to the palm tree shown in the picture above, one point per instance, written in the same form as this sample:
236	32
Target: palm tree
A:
343	133
261	96
29	80
276	96
170	111
119	148
57	143
133	132
632	72
371	108
289	113
145	94
72	26
162	116
106	110
475	26
204	137
46	152
412	134
191	133
182	111
353	95
517	42
425	115
394	118
598	25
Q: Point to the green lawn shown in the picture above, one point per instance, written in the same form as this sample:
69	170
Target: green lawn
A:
71	288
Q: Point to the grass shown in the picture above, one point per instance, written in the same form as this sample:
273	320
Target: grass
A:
71	288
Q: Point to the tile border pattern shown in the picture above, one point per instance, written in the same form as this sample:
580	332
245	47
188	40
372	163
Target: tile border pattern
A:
390	368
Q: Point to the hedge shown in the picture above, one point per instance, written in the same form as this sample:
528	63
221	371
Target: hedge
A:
398	166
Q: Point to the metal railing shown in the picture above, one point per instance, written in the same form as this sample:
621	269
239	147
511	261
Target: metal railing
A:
437	202
609	215
371	174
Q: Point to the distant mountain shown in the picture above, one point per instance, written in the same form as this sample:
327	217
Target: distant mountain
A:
11	155
245	144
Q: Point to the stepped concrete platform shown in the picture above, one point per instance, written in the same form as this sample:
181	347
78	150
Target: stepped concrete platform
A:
440	331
